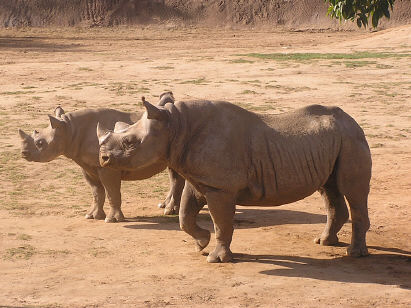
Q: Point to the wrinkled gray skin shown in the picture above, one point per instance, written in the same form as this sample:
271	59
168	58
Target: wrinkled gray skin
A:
231	156
74	135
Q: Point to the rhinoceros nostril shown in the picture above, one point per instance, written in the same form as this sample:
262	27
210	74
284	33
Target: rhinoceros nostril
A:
105	158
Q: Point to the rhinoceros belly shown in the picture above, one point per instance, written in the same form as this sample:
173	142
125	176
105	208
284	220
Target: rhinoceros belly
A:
285	169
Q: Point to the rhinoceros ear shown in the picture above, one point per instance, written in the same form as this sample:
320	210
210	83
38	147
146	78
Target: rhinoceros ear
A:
154	112
165	98
102	133
23	135
56	123
58	112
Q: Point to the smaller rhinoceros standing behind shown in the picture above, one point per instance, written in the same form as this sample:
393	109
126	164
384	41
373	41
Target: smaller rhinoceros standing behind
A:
231	156
74	135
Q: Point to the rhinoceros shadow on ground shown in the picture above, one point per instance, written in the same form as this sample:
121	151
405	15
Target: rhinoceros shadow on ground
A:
386	269
38	44
245	218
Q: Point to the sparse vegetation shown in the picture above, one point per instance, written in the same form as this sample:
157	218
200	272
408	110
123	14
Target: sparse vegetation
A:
248	92
163	67
241	61
199	81
24	252
85	69
326	56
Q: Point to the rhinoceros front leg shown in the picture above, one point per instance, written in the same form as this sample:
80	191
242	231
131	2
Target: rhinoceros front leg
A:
96	210
111	180
171	204
191	204
222	208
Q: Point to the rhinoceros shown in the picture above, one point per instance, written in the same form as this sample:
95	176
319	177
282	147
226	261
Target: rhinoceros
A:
231	156
74	135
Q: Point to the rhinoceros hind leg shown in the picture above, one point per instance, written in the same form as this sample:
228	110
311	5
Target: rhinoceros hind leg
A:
360	226
99	195
354	174
171	204
337	213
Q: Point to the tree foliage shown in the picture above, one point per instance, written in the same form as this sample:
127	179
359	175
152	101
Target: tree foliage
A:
360	10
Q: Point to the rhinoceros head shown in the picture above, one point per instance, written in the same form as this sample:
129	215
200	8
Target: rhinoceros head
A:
136	146
46	144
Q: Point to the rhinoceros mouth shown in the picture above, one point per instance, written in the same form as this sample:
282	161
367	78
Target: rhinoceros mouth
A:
105	160
25	155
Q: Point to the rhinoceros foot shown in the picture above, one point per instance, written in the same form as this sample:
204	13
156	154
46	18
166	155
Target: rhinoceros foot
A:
110	220
115	215
329	240
161	205
357	251
171	210
203	241
99	215
220	254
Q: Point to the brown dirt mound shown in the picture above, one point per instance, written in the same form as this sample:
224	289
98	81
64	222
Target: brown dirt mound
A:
283	13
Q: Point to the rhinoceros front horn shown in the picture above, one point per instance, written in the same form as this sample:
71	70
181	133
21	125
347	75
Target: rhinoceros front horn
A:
22	134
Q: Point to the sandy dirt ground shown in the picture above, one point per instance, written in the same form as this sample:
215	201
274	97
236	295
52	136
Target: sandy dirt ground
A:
50	256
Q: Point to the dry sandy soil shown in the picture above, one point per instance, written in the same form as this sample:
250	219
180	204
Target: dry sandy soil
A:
50	256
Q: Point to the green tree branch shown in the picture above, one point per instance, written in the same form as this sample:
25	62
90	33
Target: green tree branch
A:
360	11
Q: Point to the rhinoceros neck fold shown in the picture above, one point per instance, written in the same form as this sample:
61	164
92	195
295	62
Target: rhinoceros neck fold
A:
182	129
70	149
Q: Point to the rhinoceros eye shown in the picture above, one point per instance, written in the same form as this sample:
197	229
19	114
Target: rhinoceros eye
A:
40	143
129	142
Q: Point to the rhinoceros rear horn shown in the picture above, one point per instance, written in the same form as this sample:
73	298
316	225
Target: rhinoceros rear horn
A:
120	126
102	133
154	112
58	112
23	135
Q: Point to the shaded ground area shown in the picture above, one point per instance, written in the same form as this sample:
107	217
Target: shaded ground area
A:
50	256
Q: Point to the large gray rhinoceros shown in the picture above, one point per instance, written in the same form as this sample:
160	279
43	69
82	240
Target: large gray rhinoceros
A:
231	156
74	135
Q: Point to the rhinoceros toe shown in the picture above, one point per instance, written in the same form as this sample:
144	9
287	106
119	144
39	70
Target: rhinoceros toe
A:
357	251
99	215
170	211
220	254
110	220
203	242
326	240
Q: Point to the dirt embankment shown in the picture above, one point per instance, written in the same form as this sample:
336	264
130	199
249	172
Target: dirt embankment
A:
304	14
